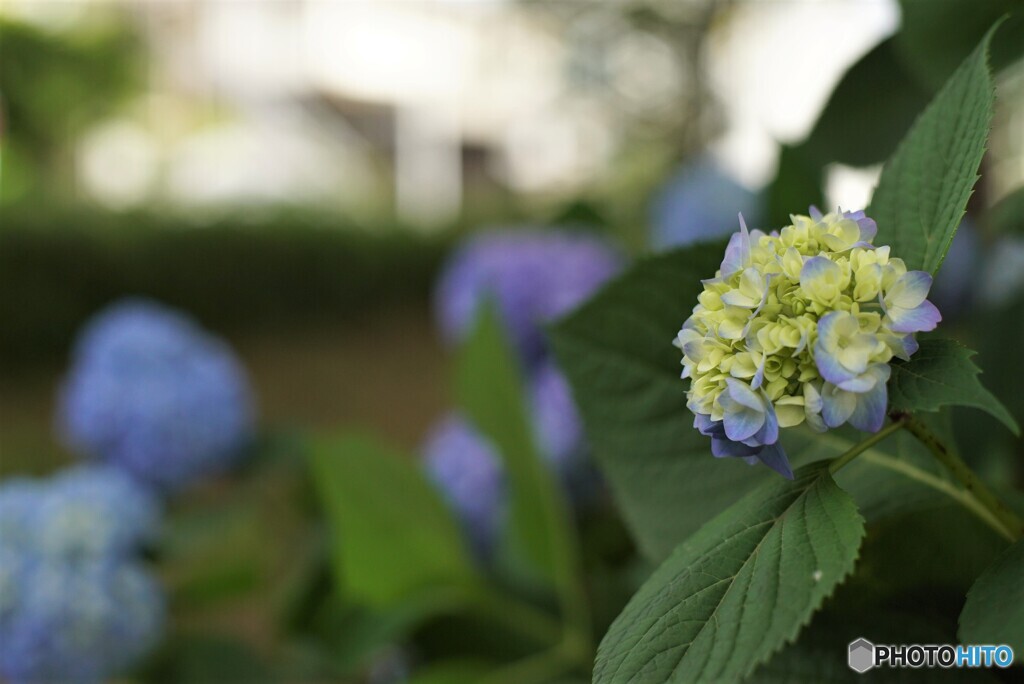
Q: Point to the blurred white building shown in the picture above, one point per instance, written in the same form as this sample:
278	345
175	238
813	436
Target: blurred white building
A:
380	105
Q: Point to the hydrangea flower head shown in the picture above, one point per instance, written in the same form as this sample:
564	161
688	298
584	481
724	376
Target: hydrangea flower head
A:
533	276
80	622
153	394
75	604
94	511
799	326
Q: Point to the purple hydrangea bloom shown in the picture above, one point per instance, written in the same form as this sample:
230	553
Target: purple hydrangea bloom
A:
75	622
700	203
556	422
467	470
534	276
152	393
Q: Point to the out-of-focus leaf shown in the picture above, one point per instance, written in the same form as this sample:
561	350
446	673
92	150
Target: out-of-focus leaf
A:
617	353
797	184
491	394
941	373
733	594
994	612
451	672
938	34
870	109
1007	216
393	538
923	191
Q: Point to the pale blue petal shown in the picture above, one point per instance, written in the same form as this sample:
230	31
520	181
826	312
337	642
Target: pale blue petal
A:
912	289
868	227
775	458
869	413
836	405
920	319
741	393
814	268
829	366
737	253
742	424
724	448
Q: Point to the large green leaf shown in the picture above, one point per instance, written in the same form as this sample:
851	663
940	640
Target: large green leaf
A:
617	353
994	612
744	585
941	373
393	538
491	394
924	187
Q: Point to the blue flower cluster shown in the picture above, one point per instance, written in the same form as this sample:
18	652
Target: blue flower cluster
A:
151	392
700	202
76	605
466	468
533	277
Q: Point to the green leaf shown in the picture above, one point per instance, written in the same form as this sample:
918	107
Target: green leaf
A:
797	184
491	395
1007	215
937	34
924	187
733	594
393	537
941	373
873	106
617	353
994	612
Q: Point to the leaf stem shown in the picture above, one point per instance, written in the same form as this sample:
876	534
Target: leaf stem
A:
1013	526
859	448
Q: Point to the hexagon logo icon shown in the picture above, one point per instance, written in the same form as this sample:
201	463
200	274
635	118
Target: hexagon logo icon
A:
862	655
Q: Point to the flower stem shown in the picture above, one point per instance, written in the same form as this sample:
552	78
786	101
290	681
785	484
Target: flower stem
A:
859	448
1012	524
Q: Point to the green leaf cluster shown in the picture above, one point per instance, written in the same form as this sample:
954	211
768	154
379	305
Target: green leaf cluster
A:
744	560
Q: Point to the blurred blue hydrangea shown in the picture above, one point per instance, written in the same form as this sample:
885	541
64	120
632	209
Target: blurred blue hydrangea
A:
556	422
152	393
76	622
94	511
534	276
74	604
466	469
699	203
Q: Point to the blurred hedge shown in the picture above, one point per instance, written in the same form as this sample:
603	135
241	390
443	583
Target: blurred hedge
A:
59	266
